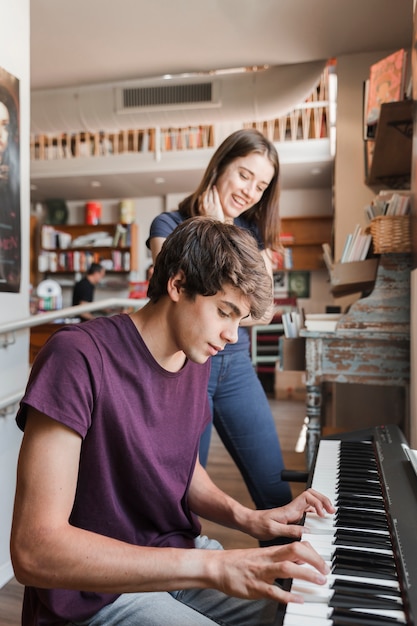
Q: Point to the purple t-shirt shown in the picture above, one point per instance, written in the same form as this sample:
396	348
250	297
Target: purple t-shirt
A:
140	426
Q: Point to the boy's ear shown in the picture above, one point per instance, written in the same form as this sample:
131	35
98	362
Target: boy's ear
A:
175	285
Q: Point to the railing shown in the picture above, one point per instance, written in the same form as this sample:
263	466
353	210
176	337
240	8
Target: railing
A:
8	404
310	120
71	311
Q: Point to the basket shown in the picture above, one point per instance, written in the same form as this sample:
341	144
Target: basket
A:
391	233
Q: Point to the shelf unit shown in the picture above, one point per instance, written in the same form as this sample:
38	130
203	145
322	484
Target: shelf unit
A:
119	257
308	235
388	157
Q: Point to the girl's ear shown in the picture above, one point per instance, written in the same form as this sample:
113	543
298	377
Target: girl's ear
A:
175	285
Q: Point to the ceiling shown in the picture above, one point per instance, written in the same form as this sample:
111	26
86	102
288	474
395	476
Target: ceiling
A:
85	42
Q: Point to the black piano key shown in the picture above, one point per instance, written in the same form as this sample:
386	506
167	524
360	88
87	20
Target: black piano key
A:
364	487
364	588
356	507
344	617
363	568
358	521
362	539
345	600
370	471
347	569
374	557
359	500
356	460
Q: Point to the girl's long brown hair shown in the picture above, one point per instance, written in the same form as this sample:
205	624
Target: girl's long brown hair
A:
265	213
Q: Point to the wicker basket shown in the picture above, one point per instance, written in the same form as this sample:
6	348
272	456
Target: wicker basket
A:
391	233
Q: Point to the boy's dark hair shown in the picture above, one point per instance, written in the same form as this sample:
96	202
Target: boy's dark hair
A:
94	267
212	254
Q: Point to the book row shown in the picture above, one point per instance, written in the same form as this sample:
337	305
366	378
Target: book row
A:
80	261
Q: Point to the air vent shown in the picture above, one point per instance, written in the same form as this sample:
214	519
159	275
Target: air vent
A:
166	95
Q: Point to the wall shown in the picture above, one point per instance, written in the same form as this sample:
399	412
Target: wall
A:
368	405
14	57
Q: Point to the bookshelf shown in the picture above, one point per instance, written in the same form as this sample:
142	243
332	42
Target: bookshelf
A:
306	237
70	249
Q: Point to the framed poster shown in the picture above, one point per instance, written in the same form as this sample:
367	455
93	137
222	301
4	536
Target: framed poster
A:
10	218
299	284
281	283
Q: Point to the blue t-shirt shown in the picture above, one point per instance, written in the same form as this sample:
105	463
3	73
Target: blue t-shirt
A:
140	427
165	223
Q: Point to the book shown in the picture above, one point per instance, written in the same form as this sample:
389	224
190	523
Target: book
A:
386	84
324	322
328	256
356	246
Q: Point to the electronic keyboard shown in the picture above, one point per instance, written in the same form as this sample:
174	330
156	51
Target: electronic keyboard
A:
371	540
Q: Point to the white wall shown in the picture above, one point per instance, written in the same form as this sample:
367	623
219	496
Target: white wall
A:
14	58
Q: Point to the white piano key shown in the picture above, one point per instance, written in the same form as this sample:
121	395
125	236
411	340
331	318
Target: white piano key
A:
309	610
294	620
321	614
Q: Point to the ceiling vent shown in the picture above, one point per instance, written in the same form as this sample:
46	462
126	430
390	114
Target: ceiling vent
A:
139	98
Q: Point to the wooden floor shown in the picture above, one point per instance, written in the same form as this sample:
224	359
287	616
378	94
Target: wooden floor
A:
289	417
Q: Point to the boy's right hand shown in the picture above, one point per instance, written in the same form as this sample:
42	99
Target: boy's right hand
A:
251	573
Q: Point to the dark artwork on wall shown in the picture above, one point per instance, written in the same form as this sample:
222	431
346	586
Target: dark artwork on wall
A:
299	284
10	219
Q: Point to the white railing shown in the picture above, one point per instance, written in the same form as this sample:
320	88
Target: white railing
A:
9	403
309	120
71	311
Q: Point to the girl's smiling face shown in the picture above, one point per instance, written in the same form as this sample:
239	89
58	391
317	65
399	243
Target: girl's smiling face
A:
243	182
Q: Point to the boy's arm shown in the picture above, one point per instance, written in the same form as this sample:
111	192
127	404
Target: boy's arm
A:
48	552
209	502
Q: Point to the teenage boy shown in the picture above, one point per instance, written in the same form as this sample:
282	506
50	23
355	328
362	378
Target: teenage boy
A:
110	488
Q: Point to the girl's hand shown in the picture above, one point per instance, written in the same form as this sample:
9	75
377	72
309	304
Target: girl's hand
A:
211	205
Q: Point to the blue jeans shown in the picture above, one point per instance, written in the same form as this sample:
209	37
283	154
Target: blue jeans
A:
245	424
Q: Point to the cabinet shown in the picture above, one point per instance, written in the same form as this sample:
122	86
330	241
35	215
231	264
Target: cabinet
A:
38	336
307	234
388	158
69	249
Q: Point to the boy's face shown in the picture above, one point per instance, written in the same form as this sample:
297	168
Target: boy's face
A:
203	326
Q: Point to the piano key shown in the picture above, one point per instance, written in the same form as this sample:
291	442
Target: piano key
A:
370	617
358	616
